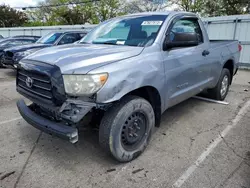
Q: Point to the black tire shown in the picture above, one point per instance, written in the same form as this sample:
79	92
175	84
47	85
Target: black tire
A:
215	93
128	112
1	65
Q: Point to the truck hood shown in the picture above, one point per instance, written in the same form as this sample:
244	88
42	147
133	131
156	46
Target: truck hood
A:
81	58
27	47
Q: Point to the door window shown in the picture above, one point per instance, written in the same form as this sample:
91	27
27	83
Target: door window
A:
27	41
50	38
187	26
81	35
13	43
68	39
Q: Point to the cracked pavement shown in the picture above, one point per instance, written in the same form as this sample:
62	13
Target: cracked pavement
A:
29	158
230	161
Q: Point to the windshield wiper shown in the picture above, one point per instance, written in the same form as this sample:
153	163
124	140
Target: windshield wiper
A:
109	43
84	43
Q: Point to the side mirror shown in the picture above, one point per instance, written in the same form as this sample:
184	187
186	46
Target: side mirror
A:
181	40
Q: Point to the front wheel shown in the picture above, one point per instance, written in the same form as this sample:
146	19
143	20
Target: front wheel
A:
221	89
1	65
126	128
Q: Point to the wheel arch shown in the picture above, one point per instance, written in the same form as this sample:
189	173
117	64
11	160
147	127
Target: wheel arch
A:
229	64
152	95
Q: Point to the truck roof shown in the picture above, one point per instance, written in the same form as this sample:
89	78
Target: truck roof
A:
162	13
60	31
74	32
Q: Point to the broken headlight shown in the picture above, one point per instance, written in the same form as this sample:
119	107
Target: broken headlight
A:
78	85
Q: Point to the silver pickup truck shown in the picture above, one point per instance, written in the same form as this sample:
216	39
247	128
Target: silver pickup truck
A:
122	76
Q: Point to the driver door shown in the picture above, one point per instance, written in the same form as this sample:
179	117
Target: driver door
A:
184	66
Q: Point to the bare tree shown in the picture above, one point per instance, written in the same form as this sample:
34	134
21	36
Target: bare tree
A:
214	7
146	6
195	6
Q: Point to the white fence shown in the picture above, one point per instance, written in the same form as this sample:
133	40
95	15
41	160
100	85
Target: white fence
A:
231	28
40	31
219	28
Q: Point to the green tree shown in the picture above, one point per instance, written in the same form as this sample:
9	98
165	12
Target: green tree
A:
233	7
52	11
78	12
212	8
226	7
10	17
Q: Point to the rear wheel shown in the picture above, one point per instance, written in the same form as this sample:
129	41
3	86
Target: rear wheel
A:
126	128
220	91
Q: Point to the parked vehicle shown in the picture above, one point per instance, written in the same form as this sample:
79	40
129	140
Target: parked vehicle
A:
9	42
27	36
13	55
122	76
34	37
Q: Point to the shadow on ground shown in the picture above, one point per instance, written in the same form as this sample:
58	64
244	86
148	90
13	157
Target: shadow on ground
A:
7	74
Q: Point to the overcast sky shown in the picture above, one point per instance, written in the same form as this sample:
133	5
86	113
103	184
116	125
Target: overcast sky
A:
19	3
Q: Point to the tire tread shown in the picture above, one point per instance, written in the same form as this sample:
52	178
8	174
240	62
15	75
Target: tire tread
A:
109	117
214	93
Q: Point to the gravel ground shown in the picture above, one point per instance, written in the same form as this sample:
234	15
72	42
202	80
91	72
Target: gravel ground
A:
189	131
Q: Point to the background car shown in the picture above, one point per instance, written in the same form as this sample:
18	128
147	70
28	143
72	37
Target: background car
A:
13	55
27	36
10	42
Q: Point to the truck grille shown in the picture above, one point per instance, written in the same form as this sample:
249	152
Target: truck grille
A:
37	84
40	82
9	54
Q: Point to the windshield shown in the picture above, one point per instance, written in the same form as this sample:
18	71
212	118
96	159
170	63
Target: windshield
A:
50	38
130	31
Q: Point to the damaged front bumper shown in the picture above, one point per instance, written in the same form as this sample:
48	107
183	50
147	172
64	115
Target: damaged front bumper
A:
51	127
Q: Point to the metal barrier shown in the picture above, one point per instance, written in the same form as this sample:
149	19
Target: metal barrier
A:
231	28
40	31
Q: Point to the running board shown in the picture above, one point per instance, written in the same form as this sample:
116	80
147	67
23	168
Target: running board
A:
211	100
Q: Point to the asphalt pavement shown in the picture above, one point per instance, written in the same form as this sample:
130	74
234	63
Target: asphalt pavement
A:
198	145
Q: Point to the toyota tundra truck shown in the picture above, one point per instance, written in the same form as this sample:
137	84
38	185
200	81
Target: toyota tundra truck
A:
122	76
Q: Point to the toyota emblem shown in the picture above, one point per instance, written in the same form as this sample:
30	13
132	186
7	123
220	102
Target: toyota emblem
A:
29	82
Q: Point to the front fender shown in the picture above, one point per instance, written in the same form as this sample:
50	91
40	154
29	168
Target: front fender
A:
128	75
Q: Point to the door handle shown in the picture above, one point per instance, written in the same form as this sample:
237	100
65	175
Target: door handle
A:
205	53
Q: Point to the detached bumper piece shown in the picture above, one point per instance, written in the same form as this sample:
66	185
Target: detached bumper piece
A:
9	63
47	126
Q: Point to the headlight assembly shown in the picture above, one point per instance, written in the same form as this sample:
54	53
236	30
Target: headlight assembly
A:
25	53
79	85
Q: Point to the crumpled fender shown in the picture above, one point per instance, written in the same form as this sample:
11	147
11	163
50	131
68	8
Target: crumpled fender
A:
130	74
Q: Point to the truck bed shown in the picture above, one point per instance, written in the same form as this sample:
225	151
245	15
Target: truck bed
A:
219	43
226	48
